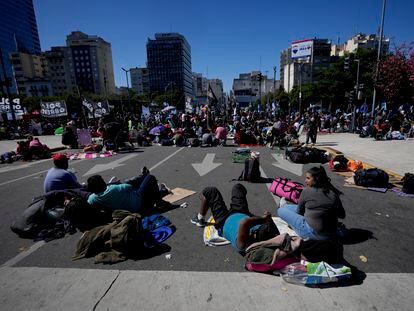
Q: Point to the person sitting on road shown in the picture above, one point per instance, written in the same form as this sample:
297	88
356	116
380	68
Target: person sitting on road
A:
221	134
137	195
316	215
237	225
58	177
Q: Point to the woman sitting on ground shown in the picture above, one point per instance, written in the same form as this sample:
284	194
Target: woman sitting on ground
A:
316	216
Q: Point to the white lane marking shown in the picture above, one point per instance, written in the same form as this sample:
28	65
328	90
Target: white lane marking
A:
111	165
275	197
207	165
162	161
34	174
39	244
24	254
26	165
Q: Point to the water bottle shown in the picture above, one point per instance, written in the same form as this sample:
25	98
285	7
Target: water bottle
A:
295	273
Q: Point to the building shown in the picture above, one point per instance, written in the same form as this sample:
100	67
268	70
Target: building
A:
59	60
304	70
360	41
38	87
28	68
216	90
91	61
200	87
169	65
247	89
139	80
18	33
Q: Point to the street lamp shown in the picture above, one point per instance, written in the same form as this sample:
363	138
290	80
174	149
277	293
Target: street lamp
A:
357	95
300	88
378	58
126	75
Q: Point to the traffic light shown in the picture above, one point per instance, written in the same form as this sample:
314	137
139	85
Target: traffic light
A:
346	63
259	77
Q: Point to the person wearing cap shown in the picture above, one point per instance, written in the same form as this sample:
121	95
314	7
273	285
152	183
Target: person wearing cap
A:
58	177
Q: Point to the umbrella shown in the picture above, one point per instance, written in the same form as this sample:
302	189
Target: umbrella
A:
169	108
157	130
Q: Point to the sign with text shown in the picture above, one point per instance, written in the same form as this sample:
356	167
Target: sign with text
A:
96	110
5	106
302	48
53	109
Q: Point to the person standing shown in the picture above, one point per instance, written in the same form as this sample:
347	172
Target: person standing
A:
312	127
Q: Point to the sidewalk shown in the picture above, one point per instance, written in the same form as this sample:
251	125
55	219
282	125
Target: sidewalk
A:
51	141
86	289
393	155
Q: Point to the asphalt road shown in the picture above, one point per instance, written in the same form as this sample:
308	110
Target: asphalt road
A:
388	217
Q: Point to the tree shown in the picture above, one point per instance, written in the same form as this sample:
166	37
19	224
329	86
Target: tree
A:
393	81
411	73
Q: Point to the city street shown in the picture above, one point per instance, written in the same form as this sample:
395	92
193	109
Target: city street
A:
206	270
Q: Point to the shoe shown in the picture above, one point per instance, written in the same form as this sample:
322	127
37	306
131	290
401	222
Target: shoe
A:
282	202
145	171
198	222
164	188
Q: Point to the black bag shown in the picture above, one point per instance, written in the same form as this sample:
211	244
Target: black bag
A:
167	142
27	225
408	183
339	163
372	177
194	142
251	170
296	155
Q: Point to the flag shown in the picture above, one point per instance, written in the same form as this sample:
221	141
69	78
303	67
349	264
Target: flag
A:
211	96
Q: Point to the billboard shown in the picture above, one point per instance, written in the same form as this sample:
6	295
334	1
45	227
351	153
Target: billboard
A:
17	107
302	48
96	110
53	109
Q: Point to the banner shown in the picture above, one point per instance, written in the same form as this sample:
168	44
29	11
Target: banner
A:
302	48
53	109
5	106
96	110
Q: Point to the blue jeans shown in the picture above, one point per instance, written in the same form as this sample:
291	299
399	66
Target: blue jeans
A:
289	213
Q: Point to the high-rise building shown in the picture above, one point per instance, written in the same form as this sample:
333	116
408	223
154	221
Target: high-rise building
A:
18	33
139	80
169	65
360	41
91	61
304	70
59	70
247	89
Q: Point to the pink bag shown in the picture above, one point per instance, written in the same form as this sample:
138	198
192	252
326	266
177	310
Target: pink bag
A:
261	267
285	188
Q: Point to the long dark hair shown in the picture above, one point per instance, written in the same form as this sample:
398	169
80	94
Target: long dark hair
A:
322	180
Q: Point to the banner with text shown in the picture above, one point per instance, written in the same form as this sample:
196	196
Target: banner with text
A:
96	110
5	106
53	109
302	48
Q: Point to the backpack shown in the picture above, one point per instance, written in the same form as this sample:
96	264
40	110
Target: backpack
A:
296	155
167	142
251	170
28	224
354	165
408	183
194	142
372	177
339	163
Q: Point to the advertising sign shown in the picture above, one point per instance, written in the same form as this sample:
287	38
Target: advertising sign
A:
302	48
53	109
96	110
5	106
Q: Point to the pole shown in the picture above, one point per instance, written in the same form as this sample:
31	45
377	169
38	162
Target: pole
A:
374	95
357	91
6	82
127	81
300	88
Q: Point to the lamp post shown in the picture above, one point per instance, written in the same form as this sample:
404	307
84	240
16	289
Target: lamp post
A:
300	89
378	58
129	97
356	91
165	91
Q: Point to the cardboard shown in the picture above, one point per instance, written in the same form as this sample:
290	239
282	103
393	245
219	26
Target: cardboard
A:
178	194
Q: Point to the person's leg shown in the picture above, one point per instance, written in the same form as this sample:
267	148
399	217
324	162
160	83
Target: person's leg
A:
314	134
238	200
298	223
212	199
307	137
148	193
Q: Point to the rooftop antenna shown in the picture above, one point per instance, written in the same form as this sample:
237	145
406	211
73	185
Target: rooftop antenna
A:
170	27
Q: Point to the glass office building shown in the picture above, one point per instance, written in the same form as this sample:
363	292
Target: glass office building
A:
18	32
169	65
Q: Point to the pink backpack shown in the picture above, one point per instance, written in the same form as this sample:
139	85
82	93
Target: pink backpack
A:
285	188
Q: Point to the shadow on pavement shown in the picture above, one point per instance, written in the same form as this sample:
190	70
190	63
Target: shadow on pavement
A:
151	252
356	236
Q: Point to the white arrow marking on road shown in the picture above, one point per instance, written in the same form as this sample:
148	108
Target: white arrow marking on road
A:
111	165
207	165
287	165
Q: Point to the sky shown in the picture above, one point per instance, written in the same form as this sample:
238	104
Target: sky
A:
227	37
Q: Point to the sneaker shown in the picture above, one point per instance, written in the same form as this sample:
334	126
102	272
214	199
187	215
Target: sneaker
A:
198	222
282	202
145	171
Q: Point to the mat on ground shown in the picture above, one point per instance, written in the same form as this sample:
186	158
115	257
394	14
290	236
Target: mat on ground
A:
178	194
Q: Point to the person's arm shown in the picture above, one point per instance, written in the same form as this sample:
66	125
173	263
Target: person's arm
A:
302	202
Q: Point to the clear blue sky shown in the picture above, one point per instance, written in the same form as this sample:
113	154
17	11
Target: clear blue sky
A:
226	37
